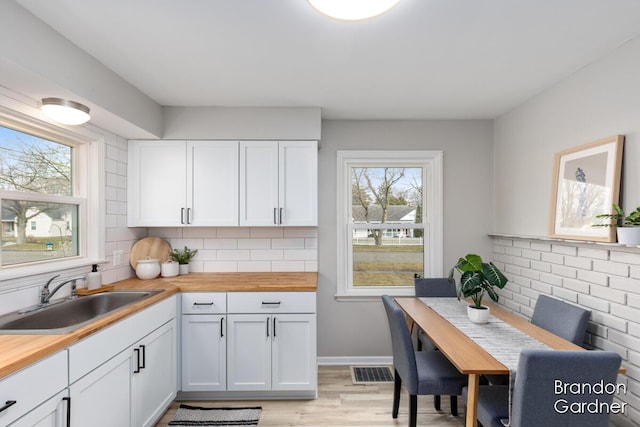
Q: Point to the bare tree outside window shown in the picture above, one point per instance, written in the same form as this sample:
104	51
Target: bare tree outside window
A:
390	255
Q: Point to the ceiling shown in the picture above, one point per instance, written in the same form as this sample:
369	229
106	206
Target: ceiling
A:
425	59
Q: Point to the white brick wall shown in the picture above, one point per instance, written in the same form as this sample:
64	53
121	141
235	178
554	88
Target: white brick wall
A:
250	249
603	278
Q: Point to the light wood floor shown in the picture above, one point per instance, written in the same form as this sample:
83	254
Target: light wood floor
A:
341	403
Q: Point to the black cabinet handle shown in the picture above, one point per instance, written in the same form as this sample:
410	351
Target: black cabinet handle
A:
137	352
222	327
203	303
188	215
181	215
280	216
270	302
68	400
8	404
267	326
144	356
275	219
274	327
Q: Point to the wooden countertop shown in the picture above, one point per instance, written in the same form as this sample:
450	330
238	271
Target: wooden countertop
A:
19	351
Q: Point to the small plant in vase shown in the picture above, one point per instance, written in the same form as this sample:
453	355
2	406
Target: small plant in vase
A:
183	257
628	226
476	279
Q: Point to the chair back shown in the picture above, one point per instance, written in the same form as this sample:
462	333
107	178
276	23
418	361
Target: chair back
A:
434	287
558	317
537	400
404	358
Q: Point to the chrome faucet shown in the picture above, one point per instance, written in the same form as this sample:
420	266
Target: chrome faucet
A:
45	294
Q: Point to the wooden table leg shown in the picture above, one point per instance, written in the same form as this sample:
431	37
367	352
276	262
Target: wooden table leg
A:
472	400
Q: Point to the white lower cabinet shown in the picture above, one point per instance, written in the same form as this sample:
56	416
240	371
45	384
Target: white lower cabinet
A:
52	413
135	379
204	341
272	352
275	349
103	397
27	392
249	344
153	383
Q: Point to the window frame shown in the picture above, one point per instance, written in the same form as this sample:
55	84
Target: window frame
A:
432	216
88	187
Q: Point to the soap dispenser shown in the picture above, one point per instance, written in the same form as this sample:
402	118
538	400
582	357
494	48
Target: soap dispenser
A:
94	279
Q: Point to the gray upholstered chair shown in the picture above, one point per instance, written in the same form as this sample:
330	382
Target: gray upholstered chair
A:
436	288
558	317
565	320
422	372
535	401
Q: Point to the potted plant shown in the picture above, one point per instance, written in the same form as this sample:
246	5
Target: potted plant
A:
628	226
183	257
476	279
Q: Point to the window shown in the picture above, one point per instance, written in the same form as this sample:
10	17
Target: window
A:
50	191
389	220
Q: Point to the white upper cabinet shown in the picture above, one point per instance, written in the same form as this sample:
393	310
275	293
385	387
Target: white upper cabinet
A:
278	183
183	183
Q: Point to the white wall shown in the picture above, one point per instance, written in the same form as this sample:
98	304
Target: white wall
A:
359	329
598	101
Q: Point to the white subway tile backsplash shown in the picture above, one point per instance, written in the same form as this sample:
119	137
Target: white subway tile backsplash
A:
267	255
288	266
288	243
199	232
254	266
220	266
234	232
267	232
254	243
220	244
234	255
303	254
300	232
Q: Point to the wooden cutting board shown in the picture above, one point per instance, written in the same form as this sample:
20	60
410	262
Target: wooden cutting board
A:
153	247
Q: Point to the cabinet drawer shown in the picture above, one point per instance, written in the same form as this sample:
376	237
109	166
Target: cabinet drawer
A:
271	302
204	302
32	385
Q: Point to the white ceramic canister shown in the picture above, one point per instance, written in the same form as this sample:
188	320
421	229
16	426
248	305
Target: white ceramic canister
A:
148	268
169	269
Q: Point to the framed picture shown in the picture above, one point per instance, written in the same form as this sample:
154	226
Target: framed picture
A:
586	182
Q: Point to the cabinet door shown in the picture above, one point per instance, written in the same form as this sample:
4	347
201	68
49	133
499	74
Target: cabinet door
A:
102	398
249	352
52	413
298	183
294	365
157	183
213	183
154	375
259	183
204	352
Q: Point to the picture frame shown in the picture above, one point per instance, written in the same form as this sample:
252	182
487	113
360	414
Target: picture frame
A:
586	182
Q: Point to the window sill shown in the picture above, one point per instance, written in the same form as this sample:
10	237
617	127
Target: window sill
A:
26	270
374	294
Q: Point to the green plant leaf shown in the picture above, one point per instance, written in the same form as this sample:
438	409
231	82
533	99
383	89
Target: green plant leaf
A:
493	275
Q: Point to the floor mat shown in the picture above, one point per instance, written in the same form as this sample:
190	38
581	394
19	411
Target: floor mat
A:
187	415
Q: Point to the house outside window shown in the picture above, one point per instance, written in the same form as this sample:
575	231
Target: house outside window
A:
389	221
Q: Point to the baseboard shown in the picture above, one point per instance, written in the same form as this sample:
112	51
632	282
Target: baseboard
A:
355	360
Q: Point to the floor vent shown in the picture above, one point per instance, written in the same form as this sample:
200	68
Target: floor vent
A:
371	374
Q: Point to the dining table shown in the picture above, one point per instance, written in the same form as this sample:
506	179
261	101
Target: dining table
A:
466	354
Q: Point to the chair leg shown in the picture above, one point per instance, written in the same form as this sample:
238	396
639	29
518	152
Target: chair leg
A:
454	405
413	410
436	402
397	383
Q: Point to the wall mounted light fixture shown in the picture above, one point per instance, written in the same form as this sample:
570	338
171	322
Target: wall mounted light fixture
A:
353	10
65	111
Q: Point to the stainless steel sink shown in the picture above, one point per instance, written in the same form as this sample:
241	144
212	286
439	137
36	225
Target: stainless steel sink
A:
69	315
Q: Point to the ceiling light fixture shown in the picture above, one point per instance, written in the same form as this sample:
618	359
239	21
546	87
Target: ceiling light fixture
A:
353	10
65	111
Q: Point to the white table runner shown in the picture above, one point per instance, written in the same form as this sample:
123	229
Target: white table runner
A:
499	339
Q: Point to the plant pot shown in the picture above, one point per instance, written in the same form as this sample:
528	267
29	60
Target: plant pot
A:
629	236
184	269
169	269
478	315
